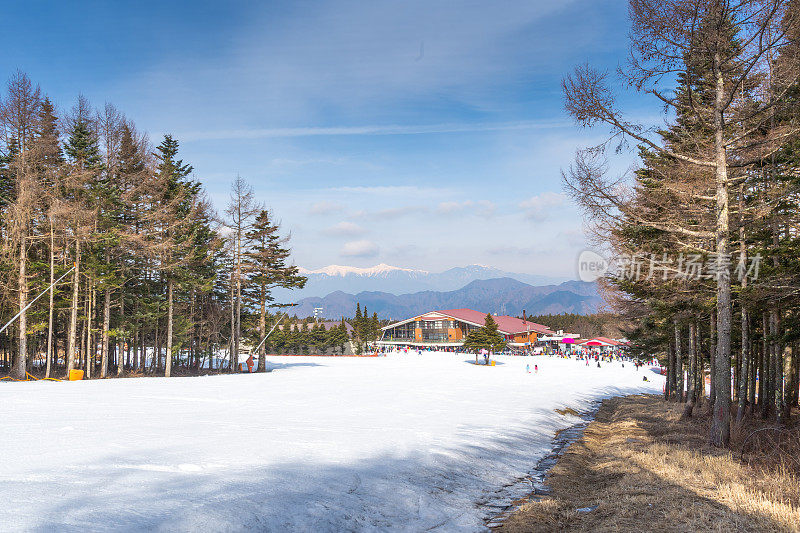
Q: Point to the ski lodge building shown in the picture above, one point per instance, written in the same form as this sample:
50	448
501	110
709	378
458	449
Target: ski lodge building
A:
441	329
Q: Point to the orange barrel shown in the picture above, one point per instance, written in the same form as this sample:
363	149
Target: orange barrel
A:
75	375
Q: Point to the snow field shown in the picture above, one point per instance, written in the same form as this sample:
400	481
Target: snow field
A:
404	442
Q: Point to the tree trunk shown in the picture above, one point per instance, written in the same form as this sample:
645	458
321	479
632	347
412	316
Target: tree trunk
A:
777	363
679	371
745	368
691	394
104	341
786	404
138	356
721	422
754	365
90	348
764	370
262	330
670	388
238	296
700	376
712	359
233	324
168	360
121	340
795	377
73	317
49	354
772	381
20	363
678	363
155	364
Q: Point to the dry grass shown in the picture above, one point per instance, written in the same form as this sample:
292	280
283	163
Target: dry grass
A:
646	470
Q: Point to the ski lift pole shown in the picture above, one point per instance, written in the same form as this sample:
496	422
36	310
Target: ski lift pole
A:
268	334
34	300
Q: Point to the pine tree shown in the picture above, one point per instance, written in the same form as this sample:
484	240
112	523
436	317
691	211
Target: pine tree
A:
131	177
342	337
265	264
84	162
176	201
51	160
485	338
374	327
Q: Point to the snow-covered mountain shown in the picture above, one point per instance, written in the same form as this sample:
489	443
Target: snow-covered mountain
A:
502	296
381	270
397	280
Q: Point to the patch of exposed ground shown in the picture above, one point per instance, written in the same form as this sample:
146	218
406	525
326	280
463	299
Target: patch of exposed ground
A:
638	467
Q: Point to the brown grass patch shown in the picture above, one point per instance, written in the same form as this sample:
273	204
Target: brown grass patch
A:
646	470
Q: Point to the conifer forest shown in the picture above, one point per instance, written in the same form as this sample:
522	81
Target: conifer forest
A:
114	261
704	229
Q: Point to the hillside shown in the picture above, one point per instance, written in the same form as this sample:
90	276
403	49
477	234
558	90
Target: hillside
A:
500	295
397	280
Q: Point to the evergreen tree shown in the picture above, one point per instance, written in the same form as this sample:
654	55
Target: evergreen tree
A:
265	264
485	338
83	146
342	337
84	161
50	160
176	203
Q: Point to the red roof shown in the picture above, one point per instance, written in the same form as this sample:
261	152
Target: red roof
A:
505	324
601	341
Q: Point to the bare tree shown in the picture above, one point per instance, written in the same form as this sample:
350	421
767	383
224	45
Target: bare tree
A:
242	209
19	113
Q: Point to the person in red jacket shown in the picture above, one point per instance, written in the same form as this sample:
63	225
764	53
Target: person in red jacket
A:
250	363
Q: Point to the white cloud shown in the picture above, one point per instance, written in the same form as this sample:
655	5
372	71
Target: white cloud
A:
397	212
388	213
390	129
362	248
539	207
392	191
513	251
574	237
482	207
325	208
348	229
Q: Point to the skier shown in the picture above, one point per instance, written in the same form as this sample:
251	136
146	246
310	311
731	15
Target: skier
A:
536	368
528	368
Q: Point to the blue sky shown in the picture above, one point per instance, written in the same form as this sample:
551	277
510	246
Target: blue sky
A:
422	134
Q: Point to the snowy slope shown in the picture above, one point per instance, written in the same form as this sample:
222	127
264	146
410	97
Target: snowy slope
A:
406	442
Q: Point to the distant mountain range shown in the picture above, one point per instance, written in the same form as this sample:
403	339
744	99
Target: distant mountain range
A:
505	296
397	280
